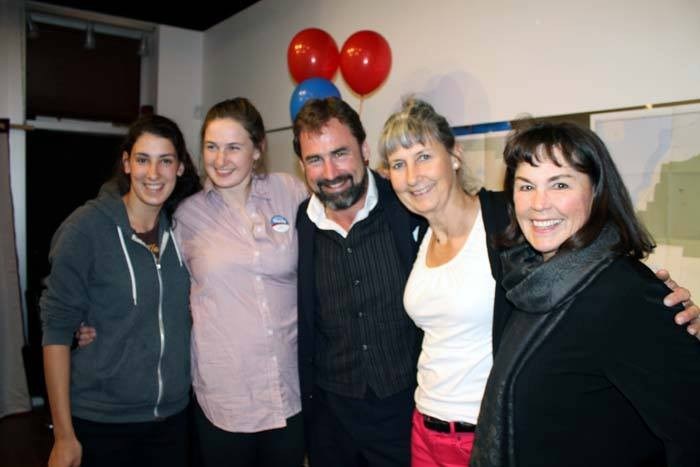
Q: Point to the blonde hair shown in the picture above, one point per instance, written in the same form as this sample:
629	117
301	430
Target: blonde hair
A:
418	123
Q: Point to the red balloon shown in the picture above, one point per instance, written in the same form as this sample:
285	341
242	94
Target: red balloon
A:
312	53
365	61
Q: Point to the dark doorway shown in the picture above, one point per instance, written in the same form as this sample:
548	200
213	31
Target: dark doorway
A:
64	170
65	80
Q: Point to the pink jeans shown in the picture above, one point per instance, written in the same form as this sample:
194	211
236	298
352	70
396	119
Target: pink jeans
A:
434	449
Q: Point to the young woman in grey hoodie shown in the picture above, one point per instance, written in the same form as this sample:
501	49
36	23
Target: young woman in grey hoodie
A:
116	267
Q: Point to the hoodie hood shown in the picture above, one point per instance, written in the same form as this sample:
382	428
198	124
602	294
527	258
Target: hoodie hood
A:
109	202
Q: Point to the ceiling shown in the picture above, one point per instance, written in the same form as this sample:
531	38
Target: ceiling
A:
200	16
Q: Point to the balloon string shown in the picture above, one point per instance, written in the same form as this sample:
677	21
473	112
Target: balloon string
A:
362	99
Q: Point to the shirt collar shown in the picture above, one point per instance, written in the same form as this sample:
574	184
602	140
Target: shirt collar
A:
317	211
259	187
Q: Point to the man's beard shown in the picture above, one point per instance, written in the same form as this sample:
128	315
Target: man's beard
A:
343	199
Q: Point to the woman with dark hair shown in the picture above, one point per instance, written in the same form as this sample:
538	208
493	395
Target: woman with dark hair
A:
590	369
238	240
114	265
187	183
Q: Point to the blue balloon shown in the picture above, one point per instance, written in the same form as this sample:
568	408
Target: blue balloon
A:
312	88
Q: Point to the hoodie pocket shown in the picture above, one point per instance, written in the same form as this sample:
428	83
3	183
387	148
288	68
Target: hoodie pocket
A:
129	375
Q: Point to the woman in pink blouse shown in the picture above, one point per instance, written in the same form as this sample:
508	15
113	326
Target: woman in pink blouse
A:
238	240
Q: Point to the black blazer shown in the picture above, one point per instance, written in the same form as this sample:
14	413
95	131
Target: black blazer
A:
609	380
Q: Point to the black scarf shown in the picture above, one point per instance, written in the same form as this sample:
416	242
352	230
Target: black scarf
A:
542	292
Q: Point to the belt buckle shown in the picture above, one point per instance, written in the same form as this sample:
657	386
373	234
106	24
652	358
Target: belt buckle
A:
436	424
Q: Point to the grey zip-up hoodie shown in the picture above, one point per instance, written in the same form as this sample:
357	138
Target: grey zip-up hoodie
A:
138	368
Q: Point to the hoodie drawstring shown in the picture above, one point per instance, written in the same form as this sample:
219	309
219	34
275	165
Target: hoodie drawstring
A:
177	249
128	263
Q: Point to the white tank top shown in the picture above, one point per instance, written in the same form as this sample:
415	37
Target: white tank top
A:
453	304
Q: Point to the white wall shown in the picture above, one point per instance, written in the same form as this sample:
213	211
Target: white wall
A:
180	81
476	61
12	107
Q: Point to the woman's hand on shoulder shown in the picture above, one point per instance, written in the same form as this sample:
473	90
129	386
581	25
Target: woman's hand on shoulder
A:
680	295
85	335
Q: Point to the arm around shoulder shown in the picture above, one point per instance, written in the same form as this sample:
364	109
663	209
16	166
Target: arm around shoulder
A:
679	295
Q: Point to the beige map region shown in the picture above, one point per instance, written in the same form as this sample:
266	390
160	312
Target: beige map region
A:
483	159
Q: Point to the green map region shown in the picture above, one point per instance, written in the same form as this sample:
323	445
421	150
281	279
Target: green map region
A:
673	217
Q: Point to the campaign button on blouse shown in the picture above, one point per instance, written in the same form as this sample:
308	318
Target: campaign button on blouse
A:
279	223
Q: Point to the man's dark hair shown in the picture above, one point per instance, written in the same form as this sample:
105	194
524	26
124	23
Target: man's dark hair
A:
316	113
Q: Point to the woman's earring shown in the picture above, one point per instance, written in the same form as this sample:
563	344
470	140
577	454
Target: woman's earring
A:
455	165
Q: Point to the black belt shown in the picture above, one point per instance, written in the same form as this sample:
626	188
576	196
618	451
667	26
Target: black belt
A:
442	426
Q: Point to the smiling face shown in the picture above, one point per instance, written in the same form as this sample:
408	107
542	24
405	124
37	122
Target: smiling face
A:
424	176
334	165
153	169
551	203
229	154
